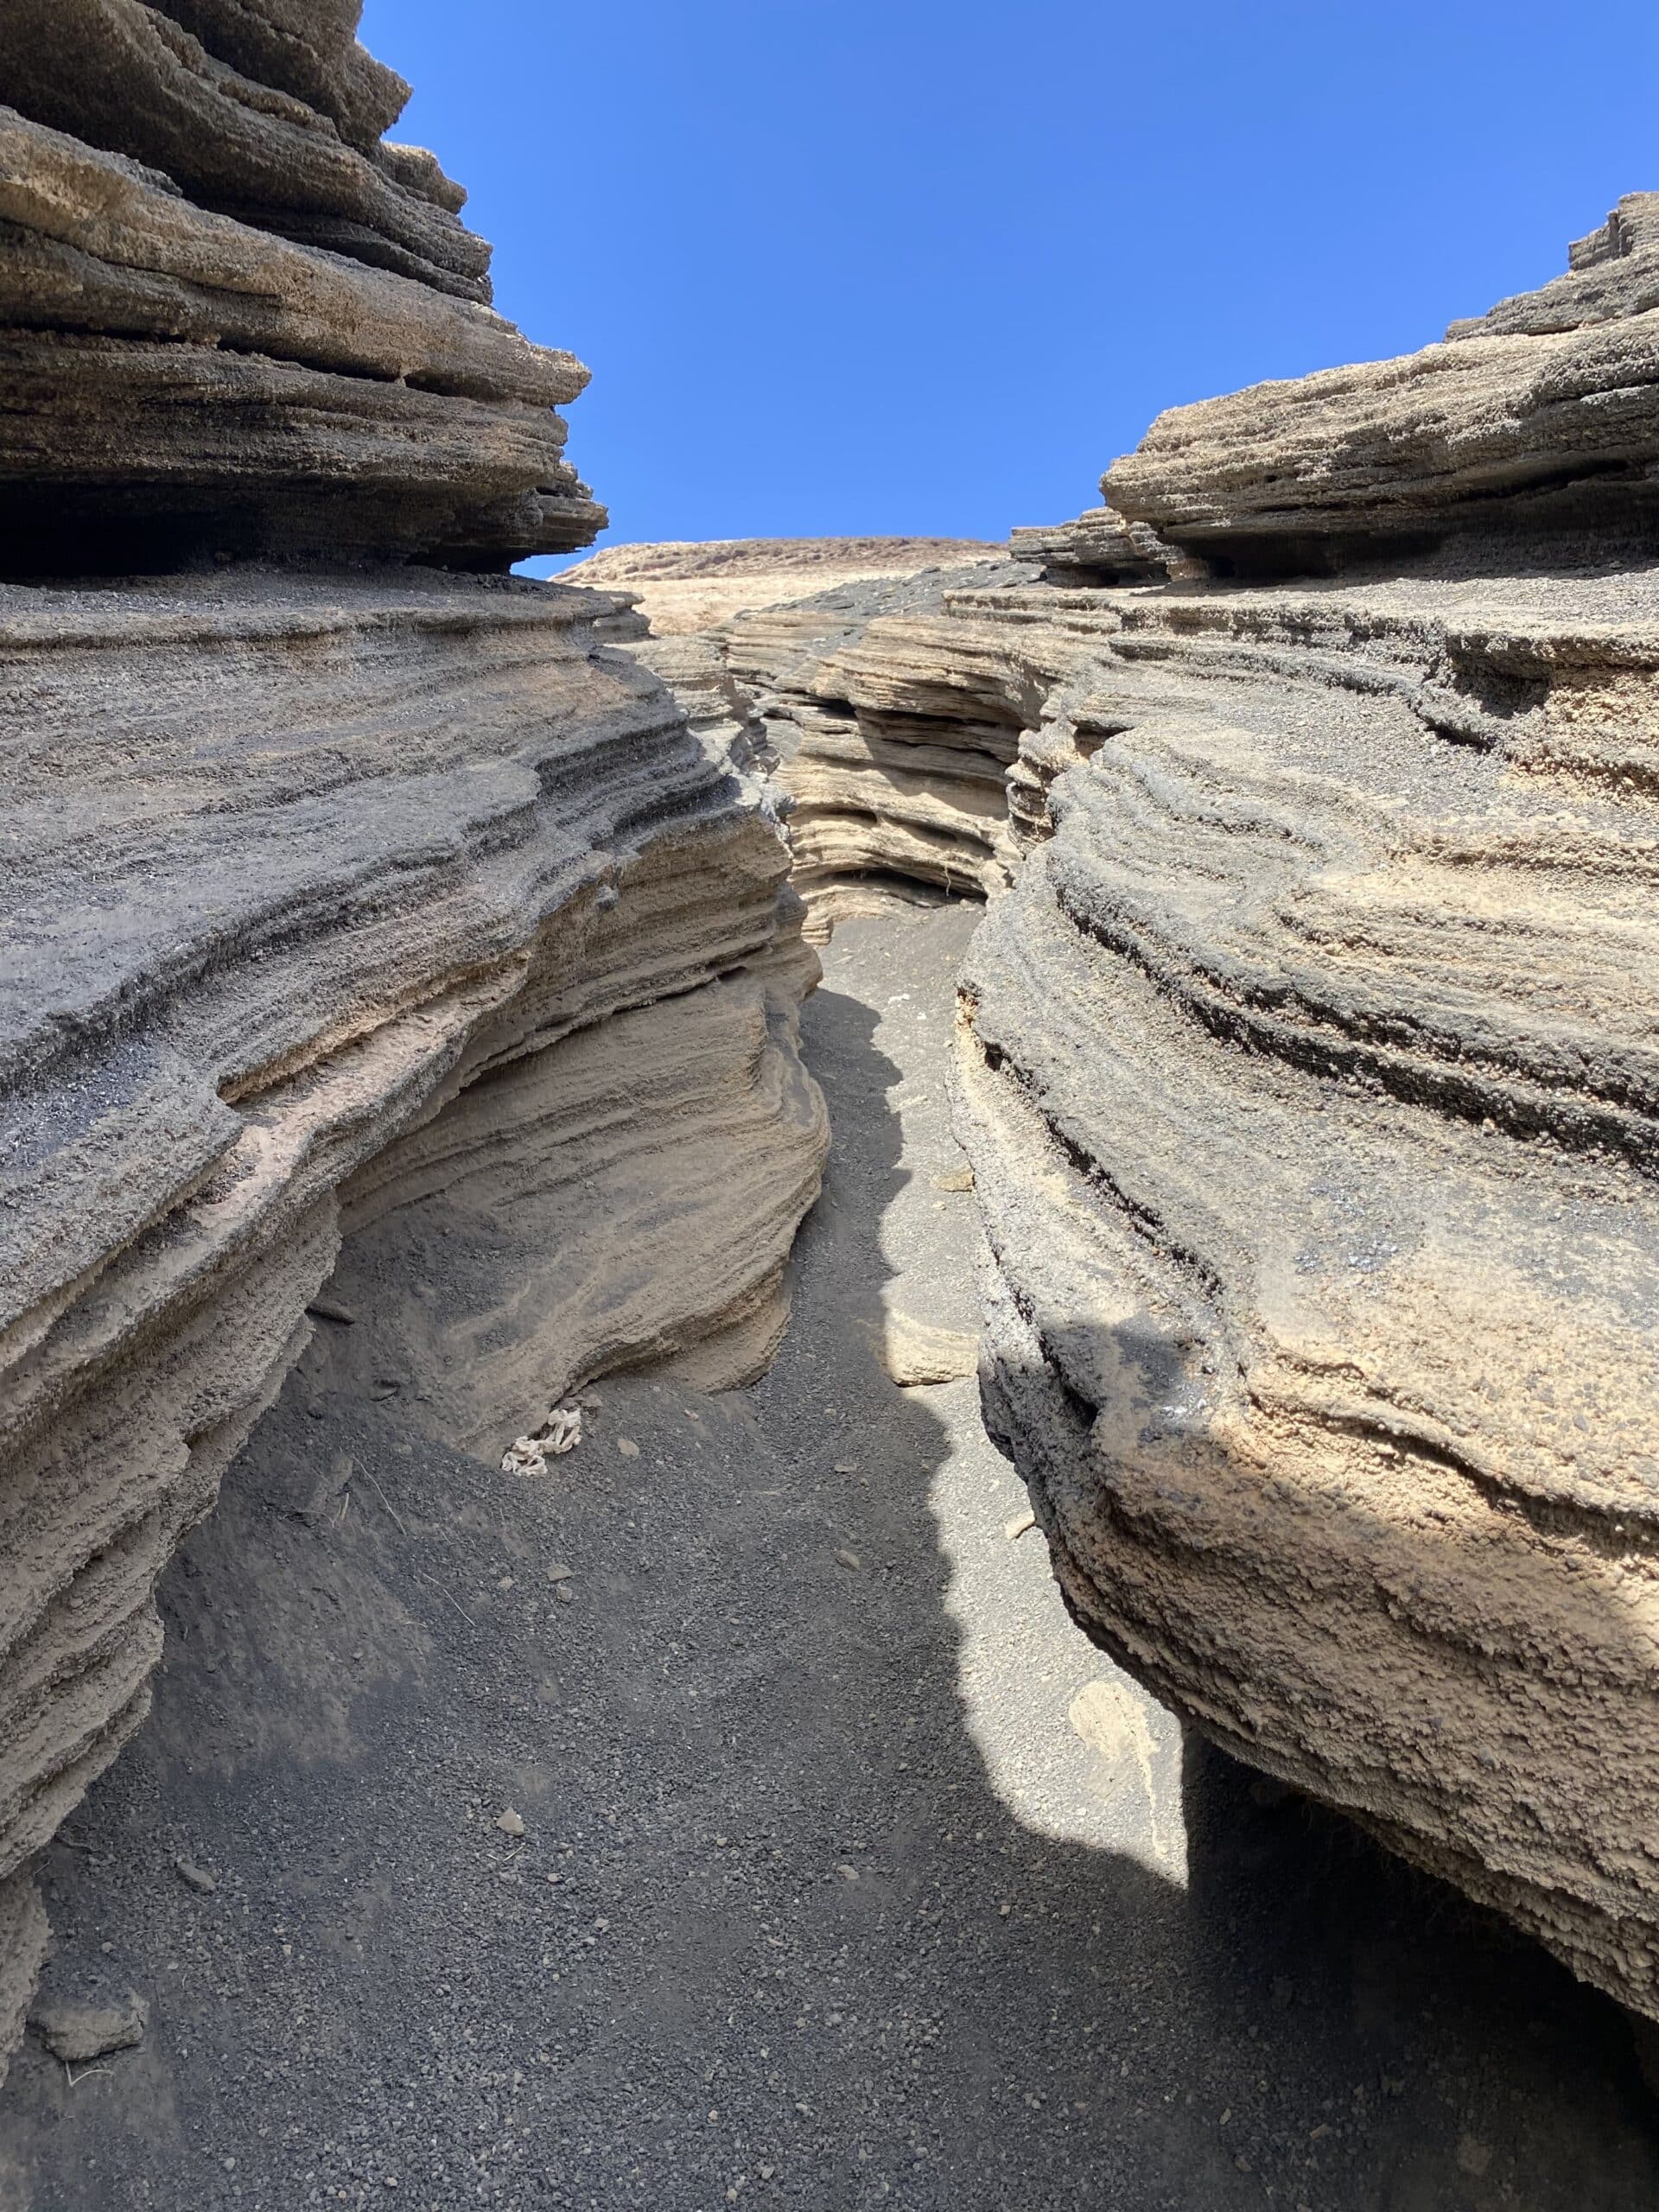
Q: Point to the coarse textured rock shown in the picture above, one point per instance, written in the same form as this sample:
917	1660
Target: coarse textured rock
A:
1308	1079
1098	548
182	375
916	1352
893	733
79	2031
1544	416
342	896
25	1946
133	80
1304	1093
682	588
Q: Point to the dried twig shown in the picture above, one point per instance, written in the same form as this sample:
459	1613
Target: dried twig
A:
385	1501
442	1593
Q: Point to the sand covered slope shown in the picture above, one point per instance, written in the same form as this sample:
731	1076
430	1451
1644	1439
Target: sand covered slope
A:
682	588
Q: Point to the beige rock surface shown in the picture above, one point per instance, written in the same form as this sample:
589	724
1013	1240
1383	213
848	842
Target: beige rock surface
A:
136	80
1307	1074
684	588
1543	416
339	901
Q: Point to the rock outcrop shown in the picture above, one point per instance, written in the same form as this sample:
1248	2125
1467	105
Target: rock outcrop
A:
1541	416
231	323
1303	1075
1308	1077
371	901
892	733
1307	1067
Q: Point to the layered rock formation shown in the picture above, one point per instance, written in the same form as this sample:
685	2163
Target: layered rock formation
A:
893	731
372	901
1302	1076
1543	416
682	589
1307	1066
231	320
1308	1077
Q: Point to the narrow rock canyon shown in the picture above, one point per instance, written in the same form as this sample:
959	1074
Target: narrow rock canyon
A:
595	1701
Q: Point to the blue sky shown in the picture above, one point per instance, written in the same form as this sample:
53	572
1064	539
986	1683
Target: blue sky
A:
927	266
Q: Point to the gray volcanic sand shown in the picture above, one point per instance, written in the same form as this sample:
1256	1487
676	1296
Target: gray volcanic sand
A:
841	1883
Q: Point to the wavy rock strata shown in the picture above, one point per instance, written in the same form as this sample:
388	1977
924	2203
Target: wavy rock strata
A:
1307	1068
891	732
374	903
1543	416
232	322
1308	1076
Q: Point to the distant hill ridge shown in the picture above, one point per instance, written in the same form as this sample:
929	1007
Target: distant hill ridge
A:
686	586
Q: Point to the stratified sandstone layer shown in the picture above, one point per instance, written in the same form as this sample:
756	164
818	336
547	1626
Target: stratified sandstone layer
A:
1098	548
231	320
356	901
1541	416
683	588
893	731
1308	1075
1309	1087
354	915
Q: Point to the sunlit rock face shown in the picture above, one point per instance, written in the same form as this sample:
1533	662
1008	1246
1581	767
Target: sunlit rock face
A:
1539	418
1307	1066
886	749
1308	1072
690	589
361	902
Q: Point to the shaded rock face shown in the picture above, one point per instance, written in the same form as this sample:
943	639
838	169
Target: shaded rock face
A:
232	318
371	903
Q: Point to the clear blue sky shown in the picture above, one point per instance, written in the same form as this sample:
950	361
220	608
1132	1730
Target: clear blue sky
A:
927	266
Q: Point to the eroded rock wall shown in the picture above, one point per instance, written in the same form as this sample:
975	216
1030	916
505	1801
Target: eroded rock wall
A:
363	902
232	321
1306	1068
888	768
894	729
